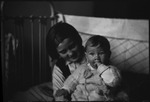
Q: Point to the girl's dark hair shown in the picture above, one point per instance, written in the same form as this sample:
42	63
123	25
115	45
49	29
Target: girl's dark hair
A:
57	34
98	40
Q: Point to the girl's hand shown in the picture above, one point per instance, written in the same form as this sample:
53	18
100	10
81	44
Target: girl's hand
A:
62	95
61	92
96	79
61	98
87	73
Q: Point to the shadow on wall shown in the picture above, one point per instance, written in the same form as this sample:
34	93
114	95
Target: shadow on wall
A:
81	8
104	8
121	9
26	8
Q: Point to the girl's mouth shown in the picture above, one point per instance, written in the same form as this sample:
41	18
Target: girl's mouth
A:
74	57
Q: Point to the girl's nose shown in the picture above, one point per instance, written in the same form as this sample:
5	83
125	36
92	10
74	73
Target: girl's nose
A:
69	53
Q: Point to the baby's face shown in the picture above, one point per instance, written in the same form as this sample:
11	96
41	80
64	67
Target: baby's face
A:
69	50
96	56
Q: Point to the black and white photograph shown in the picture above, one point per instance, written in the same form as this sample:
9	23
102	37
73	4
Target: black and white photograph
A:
75	50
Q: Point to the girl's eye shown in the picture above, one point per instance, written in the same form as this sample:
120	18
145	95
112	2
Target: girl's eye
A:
63	51
72	46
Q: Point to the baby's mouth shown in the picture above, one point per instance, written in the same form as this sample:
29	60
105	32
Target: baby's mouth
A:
74	56
97	63
95	66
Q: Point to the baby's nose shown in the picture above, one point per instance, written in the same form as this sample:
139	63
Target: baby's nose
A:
96	56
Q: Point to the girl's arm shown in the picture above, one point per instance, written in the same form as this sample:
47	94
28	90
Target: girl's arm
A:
57	79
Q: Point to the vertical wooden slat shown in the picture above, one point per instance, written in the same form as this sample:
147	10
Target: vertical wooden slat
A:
40	29
43	47
32	49
44	43
17	52
15	61
4	80
22	50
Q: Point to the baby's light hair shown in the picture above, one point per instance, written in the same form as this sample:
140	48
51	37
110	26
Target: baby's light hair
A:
98	40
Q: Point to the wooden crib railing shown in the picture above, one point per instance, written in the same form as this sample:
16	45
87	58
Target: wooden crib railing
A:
24	57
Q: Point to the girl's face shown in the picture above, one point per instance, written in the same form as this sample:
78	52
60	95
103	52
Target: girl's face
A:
96	55
69	50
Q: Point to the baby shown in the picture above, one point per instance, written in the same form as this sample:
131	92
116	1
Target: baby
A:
95	80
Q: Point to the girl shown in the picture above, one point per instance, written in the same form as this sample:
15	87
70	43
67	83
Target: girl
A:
64	46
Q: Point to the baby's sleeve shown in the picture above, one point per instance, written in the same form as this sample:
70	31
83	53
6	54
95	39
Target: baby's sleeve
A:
111	76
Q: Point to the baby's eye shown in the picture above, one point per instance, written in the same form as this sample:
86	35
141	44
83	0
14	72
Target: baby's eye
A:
92	54
101	53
